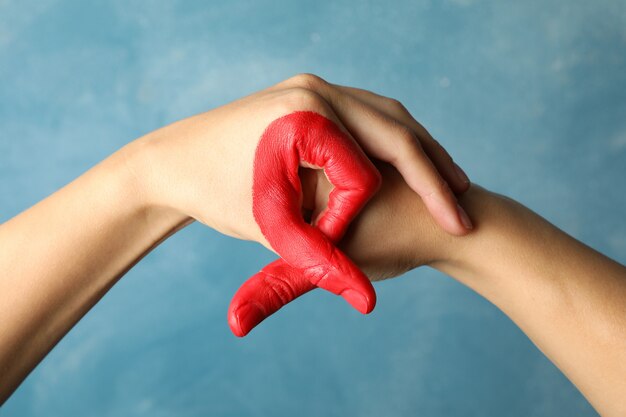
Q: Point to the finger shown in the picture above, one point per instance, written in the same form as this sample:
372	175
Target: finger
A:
265	293
354	178
389	140
279	283
451	172
313	139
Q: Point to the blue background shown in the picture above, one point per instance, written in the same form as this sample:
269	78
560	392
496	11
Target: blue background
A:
529	96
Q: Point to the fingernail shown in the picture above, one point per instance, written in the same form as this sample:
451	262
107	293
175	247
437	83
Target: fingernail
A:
247	317
461	174
356	300
464	218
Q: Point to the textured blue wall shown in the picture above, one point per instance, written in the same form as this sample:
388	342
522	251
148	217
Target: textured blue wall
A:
529	96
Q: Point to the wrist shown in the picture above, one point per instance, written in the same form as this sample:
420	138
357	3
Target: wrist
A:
474	259
458	251
135	165
507	252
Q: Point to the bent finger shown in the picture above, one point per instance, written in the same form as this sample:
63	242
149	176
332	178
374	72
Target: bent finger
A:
265	293
452	172
314	139
391	141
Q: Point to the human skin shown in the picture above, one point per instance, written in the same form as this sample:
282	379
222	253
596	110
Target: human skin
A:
80	240
214	153
315	255
565	296
307	137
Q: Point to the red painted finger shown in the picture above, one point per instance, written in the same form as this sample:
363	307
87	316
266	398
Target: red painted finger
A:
264	293
280	283
313	139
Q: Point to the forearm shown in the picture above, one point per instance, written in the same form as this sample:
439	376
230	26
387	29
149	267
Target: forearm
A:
568	298
59	258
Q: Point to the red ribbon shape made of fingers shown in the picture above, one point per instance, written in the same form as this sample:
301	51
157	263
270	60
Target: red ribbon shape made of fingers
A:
309	257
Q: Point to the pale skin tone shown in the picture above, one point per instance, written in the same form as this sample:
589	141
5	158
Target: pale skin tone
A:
61	256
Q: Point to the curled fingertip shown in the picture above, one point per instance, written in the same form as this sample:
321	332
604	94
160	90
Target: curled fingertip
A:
359	301
460	183
461	174
245	318
464	218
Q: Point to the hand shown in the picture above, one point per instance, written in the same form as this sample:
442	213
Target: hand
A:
393	234
193	169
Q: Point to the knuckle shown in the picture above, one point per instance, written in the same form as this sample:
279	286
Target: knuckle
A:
370	181
395	105
436	145
281	289
308	80
316	274
436	150
298	98
406	140
441	150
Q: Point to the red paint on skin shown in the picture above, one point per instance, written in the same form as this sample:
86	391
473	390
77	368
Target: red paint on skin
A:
309	257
